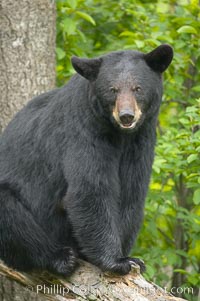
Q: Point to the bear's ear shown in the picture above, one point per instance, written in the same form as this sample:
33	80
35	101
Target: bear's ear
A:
160	58
88	68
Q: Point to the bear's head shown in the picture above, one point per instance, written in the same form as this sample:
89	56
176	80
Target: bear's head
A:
126	86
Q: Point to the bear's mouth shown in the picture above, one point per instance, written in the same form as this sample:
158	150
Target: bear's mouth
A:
130	125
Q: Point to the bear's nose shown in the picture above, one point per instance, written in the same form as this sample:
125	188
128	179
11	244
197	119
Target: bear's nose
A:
126	117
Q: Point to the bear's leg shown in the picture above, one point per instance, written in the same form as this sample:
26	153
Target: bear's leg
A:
24	244
96	225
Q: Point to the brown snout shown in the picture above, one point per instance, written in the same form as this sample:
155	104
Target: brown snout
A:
126	112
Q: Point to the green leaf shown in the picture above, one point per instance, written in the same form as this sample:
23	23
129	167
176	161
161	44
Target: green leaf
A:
196	197
139	44
86	17
162	7
196	88
69	26
187	29
72	3
150	271
193	279
192	158
181	271
127	33
191	109
156	169
184	121
60	53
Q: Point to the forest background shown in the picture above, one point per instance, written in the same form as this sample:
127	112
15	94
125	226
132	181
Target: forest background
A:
169	240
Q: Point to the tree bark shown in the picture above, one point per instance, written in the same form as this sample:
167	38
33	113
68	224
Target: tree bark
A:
27	53
87	283
27	68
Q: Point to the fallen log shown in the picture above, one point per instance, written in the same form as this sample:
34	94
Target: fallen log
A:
87	283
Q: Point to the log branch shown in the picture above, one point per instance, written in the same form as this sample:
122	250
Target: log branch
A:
87	283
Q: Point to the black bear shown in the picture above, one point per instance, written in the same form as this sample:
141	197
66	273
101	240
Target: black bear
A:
75	165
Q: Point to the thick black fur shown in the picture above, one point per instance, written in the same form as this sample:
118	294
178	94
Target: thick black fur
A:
72	183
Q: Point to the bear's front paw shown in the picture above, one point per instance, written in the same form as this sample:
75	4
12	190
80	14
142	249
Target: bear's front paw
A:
139	262
64	262
123	265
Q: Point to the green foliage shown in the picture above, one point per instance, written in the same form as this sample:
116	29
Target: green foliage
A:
172	218
169	240
72	39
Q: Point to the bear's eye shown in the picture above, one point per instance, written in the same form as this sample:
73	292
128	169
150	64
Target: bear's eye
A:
114	89
137	89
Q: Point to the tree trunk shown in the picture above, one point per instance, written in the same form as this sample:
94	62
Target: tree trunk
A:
27	53
27	68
